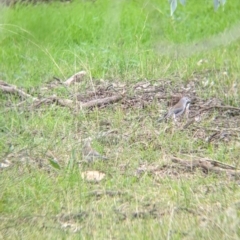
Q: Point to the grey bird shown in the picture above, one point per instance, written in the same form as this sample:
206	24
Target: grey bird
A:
178	109
89	153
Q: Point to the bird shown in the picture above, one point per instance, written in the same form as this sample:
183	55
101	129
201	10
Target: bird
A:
89	154
178	109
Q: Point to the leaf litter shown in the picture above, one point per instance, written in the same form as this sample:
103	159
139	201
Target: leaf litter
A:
225	120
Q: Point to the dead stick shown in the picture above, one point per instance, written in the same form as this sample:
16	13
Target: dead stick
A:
207	164
217	106
223	107
220	164
53	99
99	102
214	162
5	87
70	103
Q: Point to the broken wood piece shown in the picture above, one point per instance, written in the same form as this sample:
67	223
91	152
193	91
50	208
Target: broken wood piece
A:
220	164
77	77
8	88
102	101
53	99
208	165
221	107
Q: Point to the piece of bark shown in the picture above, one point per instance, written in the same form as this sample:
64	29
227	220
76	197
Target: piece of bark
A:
77	77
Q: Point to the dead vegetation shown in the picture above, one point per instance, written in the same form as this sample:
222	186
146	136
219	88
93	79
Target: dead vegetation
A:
224	123
147	95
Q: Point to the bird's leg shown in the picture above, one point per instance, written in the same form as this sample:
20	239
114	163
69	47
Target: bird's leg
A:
176	122
187	110
174	118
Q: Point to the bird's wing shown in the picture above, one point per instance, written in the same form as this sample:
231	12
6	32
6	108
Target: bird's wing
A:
169	113
177	111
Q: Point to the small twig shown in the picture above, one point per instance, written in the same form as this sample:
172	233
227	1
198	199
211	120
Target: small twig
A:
223	129
210	138
188	124
110	86
63	84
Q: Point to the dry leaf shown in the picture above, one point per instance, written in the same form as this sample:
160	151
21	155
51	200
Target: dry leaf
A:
77	77
91	176
5	164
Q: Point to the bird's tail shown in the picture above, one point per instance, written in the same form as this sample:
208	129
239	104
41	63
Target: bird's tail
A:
163	118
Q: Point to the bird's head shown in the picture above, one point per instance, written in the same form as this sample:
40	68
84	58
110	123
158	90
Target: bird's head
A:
185	101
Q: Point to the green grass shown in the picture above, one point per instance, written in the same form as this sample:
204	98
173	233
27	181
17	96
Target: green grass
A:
108	39
127	42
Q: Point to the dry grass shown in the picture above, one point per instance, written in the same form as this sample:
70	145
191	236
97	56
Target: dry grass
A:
144	194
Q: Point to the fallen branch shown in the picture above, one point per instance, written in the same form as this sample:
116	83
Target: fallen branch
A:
71	104
223	107
102	101
53	99
208	165
217	163
216	106
12	89
5	87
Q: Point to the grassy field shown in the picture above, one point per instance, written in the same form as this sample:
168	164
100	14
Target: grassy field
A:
143	194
